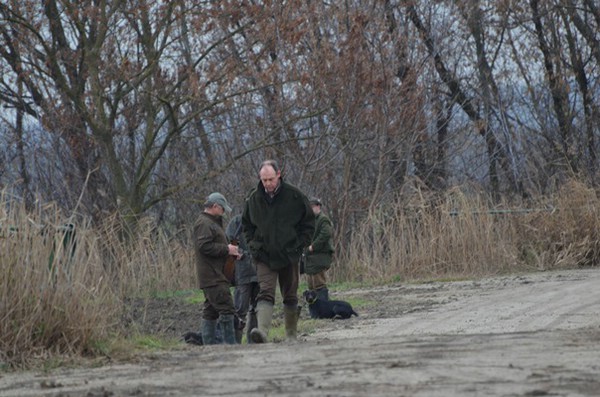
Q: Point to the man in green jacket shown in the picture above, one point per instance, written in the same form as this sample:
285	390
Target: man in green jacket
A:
278	225
319	253
211	249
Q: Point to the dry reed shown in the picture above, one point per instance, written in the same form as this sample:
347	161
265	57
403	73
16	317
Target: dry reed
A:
62	290
460	235
54	297
63	297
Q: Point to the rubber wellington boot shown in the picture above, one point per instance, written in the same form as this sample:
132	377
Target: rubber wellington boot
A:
238	325
239	334
208	331
264	315
251	323
290	315
227	328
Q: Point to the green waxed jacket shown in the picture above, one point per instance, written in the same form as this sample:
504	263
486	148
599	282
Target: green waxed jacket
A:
278	229
321	256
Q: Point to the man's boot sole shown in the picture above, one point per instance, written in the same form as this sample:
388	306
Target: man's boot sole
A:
257	336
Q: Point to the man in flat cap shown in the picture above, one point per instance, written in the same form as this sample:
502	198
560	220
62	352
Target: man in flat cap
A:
211	249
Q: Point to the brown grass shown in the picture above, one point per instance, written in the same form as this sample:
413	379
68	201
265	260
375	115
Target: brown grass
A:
54	299
65	297
65	301
461	236
146	263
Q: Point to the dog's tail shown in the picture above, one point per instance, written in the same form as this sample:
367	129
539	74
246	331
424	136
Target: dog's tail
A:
353	313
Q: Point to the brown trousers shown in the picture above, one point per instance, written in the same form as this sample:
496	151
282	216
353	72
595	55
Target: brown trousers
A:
218	301
288	278
316	281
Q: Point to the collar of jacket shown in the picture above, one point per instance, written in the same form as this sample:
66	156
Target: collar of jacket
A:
266	195
215	218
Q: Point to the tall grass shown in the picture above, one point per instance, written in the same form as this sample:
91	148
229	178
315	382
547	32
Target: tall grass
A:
148	261
63	293
60	298
460	235
54	298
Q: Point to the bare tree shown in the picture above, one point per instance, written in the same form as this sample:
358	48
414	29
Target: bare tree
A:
107	78
146	107
578	64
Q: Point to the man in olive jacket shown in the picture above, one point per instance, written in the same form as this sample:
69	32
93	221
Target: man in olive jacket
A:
319	254
211	249
278	225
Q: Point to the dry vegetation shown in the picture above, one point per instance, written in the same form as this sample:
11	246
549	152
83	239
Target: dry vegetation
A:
63	295
386	110
62	292
462	236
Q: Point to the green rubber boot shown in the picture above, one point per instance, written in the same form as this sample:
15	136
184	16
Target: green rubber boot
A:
264	315
290	314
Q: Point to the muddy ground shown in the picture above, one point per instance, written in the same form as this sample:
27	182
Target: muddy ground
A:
534	334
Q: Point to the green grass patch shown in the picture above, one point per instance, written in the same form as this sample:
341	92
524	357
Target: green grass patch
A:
101	347
196	297
348	285
359	302
277	334
338	286
151	342
308	326
127	348
189	295
193	296
175	294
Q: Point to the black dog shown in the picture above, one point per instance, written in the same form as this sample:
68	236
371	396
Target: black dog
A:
328	309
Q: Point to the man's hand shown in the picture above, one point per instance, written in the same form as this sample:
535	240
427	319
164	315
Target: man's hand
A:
234	250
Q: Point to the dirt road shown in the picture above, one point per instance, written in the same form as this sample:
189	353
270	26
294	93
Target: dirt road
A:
527	335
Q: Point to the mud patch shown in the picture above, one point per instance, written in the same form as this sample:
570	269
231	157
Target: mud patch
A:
164	317
525	335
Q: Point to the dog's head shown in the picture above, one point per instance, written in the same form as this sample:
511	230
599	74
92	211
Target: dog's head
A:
310	296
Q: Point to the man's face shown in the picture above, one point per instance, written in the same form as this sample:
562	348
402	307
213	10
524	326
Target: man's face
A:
269	178
216	210
316	209
220	210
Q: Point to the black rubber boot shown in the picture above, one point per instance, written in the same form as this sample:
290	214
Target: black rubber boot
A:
239	329
251	323
208	331
228	329
239	334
